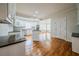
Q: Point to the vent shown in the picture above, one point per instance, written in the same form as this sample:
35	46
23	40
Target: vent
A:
6	21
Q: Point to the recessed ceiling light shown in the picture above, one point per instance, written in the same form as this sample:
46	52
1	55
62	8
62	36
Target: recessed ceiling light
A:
36	12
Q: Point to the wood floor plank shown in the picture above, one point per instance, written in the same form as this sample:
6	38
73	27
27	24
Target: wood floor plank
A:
58	47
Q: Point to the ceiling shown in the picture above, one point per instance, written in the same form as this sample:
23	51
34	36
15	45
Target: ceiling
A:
43	9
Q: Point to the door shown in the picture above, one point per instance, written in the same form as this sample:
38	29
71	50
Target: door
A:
63	28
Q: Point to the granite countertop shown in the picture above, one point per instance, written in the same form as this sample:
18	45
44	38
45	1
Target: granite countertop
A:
6	41
74	34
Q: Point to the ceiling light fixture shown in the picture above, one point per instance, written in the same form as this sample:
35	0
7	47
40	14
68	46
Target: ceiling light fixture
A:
36	12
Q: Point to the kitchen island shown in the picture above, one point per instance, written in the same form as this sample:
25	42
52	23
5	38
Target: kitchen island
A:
12	48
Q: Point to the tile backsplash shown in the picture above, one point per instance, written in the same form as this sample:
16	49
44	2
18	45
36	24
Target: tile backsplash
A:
4	29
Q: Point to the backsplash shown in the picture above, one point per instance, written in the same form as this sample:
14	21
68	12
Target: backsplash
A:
4	29
76	29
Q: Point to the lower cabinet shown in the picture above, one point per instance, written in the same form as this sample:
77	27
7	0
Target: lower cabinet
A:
75	44
13	50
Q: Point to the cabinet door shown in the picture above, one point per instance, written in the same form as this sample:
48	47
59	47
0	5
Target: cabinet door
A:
4	51
3	10
17	49
13	50
75	44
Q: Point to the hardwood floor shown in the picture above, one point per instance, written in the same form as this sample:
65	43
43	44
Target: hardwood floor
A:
55	47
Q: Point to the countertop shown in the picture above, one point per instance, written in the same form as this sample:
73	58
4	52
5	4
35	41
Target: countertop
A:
75	34
6	41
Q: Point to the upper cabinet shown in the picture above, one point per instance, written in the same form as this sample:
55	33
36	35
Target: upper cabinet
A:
7	11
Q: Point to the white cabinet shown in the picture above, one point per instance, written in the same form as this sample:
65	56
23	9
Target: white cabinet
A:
75	44
17	49
4	51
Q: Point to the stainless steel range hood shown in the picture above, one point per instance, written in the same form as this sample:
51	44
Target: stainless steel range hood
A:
12	17
6	21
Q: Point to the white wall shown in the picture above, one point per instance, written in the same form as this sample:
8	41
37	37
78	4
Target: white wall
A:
77	13
63	24
3	10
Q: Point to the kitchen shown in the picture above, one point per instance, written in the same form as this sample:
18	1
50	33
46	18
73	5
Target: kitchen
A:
23	24
13	30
